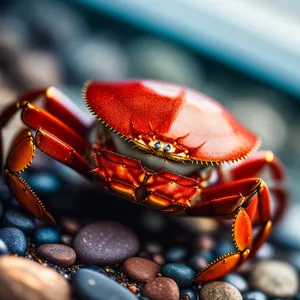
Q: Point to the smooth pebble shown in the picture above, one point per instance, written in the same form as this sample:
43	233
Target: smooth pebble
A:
238	281
181	274
89	284
219	290
15	240
22	279
46	235
140	270
275	278
161	288
20	219
176	254
254	295
61	255
105	243
189	294
3	248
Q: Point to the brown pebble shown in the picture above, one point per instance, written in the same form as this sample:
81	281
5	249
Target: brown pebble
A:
159	259
22	279
140	269
161	288
61	255
219	290
70	225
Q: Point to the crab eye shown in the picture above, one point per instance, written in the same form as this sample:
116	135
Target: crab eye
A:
157	145
167	148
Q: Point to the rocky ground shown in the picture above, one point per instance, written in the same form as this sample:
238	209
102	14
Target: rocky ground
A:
106	248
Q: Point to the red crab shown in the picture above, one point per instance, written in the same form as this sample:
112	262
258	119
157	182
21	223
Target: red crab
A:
182	139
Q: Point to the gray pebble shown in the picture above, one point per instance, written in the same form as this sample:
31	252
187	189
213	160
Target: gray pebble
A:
219	290
105	243
275	278
15	240
89	284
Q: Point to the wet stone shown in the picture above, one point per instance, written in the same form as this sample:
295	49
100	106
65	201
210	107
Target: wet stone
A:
15	240
219	290
20	219
275	278
176	254
140	270
88	284
181	274
254	295
105	243
161	288
189	294
22	279
46	235
238	281
3	248
44	183
70	225
61	255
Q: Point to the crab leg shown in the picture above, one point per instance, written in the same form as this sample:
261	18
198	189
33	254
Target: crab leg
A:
256	163
20	158
246	201
55	102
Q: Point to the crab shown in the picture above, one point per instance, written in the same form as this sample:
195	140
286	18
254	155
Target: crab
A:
158	144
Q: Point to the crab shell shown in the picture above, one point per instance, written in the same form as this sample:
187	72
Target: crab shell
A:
198	128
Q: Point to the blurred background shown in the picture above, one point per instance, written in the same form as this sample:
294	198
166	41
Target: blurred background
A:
245	54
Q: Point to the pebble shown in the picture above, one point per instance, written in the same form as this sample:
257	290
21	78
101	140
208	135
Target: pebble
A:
181	274
89	284
189	294
70	225
15	240
161	288
266	251
46	235
20	219
61	255
219	290
205	242
275	278
254	295
44	182
140	270
3	248
238	281
176	254
105	243
22	279
197	263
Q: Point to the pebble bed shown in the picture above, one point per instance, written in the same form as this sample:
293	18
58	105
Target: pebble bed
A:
107	259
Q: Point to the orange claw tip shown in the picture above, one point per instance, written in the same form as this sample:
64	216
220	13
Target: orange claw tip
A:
173	113
242	231
24	194
219	268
